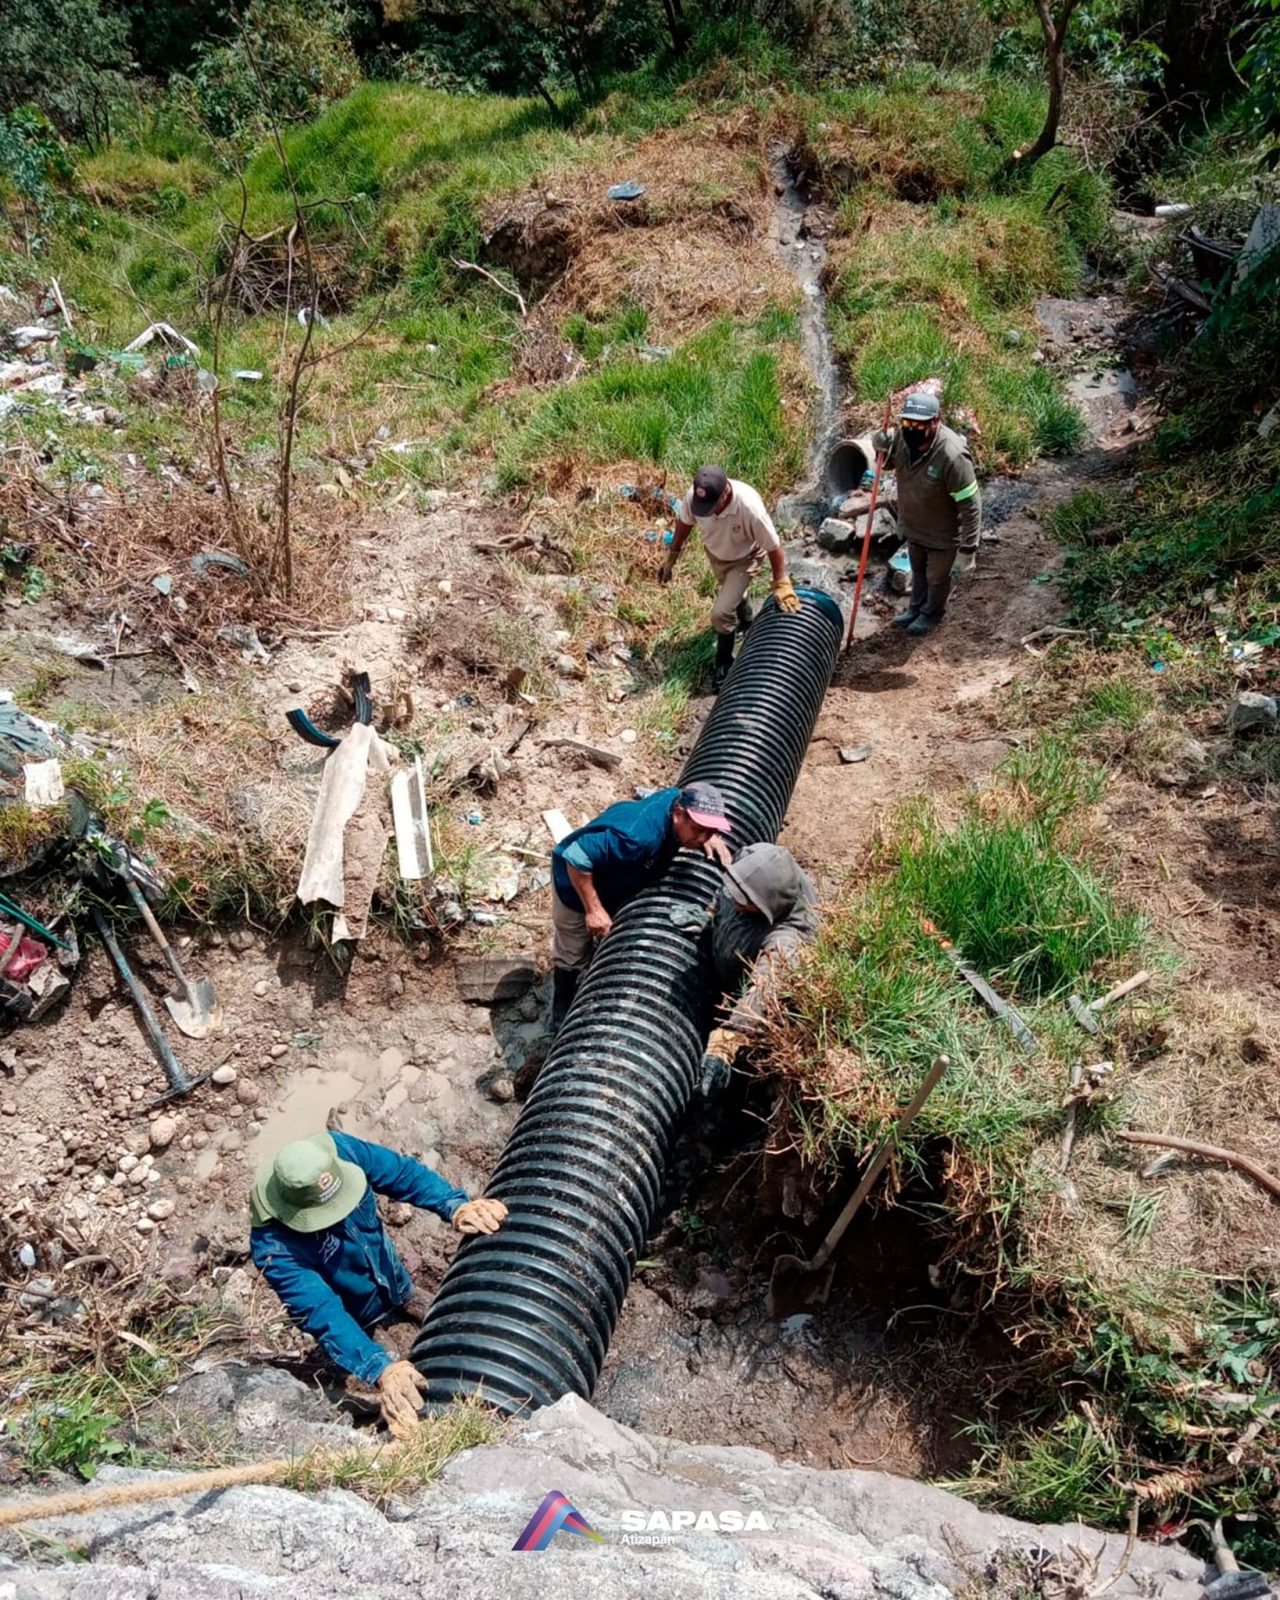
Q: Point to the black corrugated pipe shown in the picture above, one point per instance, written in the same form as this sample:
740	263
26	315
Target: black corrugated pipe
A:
525	1315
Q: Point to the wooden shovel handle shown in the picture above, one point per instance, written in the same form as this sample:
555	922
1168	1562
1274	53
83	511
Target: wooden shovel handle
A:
838	1227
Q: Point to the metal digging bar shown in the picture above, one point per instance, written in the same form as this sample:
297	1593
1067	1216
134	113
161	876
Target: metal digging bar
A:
525	1315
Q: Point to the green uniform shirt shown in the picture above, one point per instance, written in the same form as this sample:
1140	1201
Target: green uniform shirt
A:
939	503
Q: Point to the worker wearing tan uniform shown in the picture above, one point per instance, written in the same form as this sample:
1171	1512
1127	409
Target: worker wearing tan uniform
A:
738	534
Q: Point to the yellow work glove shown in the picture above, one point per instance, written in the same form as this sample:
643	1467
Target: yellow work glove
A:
784	593
400	1391
479	1216
724	1044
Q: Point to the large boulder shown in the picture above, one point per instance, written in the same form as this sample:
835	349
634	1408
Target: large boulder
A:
800	1534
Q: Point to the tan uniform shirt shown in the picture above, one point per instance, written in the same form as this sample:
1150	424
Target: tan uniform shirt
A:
742	528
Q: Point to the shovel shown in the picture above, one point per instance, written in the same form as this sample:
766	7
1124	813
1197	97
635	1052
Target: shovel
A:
797	1283
197	1009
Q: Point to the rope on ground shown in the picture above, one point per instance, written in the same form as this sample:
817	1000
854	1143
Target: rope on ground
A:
1208	1152
207	1482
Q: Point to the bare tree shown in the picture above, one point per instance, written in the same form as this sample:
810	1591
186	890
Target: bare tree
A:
1054	28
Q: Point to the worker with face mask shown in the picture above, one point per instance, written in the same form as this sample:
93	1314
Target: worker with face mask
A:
939	506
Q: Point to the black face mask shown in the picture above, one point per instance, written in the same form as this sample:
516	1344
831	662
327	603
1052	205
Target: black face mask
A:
917	443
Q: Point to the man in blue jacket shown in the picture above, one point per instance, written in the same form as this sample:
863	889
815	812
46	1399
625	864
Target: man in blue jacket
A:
318	1241
597	868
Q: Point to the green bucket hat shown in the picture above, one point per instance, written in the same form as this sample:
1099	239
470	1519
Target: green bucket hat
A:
307	1186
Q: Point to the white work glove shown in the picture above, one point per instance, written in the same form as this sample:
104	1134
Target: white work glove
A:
965	562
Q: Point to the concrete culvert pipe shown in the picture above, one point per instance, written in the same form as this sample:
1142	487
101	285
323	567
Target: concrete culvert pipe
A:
847	463
525	1315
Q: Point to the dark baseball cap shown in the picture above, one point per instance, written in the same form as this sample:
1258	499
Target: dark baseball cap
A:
921	407
705	805
709	483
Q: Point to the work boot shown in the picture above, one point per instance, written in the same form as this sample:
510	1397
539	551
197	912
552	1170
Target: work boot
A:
923	624
904	619
745	614
724	660
564	985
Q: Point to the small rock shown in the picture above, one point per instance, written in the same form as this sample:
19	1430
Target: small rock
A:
241	939
199	1139
1252	711
145	1225
628	736
399	1212
223	1075
127	1163
100	1082
261	988
138	1176
278	1050
158	1210
836	535
502	1090
569	667
445	587
248	1094
163	1132
294	686
852	757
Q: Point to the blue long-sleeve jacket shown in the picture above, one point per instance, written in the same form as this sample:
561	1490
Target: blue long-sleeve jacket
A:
338	1283
624	848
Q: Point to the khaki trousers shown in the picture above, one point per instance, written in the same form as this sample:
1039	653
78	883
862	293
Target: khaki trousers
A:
734	578
570	941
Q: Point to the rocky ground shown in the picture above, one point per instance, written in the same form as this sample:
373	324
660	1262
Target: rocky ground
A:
813	1535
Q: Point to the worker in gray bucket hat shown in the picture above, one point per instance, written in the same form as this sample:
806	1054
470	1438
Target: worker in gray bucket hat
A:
939	506
766	913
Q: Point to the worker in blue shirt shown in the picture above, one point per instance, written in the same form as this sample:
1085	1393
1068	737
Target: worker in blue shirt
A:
318	1241
597	868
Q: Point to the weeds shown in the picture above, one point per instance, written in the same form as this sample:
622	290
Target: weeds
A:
400	1469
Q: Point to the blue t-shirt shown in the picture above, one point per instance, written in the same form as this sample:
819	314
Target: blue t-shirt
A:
624	848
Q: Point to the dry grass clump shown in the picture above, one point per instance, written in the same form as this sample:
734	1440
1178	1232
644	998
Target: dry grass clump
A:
696	246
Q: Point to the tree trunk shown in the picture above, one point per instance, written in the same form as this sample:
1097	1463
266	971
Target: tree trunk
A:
1055	40
677	27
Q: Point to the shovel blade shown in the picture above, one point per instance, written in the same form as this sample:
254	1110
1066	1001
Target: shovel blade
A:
198	1011
796	1284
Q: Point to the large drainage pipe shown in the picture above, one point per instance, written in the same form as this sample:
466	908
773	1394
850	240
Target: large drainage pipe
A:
525	1315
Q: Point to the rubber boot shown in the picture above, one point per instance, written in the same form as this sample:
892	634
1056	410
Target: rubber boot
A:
904	619
724	660
564	985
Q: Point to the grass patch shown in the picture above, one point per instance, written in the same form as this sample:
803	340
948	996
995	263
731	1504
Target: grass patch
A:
718	398
380	1475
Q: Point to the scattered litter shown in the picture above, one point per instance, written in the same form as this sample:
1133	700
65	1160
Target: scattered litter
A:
852	757
1251	711
475	818
24	338
246	640
247	375
410	816
206	381
304	318
628	736
27	1256
20	955
30	734
43	780
1175	208
557	824
900	571
630	190
654	352
163	582
485	919
165	332
201	563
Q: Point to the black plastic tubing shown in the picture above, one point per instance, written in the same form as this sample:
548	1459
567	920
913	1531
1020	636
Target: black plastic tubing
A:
525	1315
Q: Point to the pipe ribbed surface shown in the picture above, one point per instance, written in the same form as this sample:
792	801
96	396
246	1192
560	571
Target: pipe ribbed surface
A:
525	1315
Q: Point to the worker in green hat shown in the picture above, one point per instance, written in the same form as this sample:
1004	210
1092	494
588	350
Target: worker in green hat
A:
317	1239
939	506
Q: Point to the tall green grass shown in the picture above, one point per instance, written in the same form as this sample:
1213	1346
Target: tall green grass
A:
717	398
